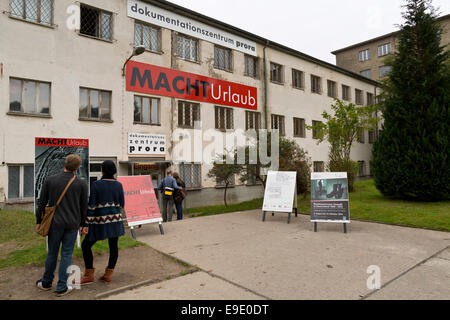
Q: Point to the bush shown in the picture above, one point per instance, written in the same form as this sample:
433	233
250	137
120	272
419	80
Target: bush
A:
349	166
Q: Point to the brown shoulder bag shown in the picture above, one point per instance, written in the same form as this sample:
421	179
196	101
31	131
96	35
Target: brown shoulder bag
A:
49	213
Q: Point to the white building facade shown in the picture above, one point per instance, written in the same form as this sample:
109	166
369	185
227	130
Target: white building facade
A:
61	75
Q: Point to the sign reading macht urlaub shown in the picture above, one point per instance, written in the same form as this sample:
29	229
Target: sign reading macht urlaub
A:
329	197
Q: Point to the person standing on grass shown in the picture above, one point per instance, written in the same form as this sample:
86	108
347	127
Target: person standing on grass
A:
179	196
104	221
68	220
168	186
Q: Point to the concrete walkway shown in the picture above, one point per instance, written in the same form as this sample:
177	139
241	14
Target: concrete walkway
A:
241	257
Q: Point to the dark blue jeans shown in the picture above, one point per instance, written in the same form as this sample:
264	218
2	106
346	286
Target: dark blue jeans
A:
179	207
66	240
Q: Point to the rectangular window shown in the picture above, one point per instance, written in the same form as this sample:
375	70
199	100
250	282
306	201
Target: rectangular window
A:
191	175
95	104
187	48
361	135
224	118
359	99
188	114
28	96
362	169
364	55
298	79
366	73
20	182
332	89
315	131
251	66
384	71
276	73
252	120
95	22
384	49
222	58
147	36
319	166
299	128
369	99
316	84
37	11
372	136
278	123
231	182
346	93
146	110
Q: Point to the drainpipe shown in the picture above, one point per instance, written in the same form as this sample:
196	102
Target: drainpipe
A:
265	87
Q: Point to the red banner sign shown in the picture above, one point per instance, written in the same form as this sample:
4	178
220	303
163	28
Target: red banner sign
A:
141	205
150	79
61	142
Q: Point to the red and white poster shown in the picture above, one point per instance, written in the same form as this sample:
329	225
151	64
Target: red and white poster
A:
150	79
141	205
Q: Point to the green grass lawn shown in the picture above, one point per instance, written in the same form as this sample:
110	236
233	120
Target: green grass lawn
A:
21	245
366	203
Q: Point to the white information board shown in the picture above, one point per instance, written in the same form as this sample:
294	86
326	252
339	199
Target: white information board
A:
280	191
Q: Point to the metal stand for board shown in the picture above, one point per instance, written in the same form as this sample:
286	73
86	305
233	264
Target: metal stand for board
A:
345	227
289	213
133	234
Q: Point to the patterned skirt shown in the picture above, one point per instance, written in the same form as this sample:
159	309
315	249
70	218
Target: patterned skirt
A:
104	223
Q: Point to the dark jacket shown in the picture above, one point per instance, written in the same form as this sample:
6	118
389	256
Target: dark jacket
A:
72	211
179	194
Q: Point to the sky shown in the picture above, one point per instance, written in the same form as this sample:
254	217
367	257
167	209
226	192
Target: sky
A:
315	27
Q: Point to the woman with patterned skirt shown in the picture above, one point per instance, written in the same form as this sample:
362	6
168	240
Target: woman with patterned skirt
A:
104	221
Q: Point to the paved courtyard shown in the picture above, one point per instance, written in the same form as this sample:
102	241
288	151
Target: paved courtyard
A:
241	257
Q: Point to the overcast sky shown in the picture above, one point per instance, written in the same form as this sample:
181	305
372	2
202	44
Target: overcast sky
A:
314	27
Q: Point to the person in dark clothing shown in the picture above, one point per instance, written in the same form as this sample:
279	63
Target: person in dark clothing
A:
104	221
68	220
167	187
179	196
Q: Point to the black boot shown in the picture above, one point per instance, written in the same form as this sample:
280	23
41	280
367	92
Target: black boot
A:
332	194
340	192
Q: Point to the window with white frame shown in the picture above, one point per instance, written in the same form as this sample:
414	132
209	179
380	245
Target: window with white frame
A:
191	174
366	73
384	49
224	118
147	36
95	22
187	48
20	182
29	96
222	58
146	110
364	55
95	104
384	71
188	114
37	11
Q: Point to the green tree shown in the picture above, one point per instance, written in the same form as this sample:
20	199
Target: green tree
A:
411	156
341	130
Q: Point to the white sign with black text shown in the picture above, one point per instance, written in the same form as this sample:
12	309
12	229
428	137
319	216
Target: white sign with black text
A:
163	18
280	192
145	144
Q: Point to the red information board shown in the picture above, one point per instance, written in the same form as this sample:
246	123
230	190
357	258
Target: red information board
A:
141	205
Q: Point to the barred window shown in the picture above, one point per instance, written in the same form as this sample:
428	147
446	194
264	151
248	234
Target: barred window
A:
187	48
224	118
276	73
231	182
191	175
95	22
188	113
346	93
28	96
20	181
372	136
278	123
299	128
146	110
332	89
222	58
359	99
298	79
319	166
316	84
95	104
147	36
361	135
315	131
250	66
252	120
38	11
369	99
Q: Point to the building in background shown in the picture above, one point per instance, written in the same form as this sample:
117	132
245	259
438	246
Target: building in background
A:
367	58
64	82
